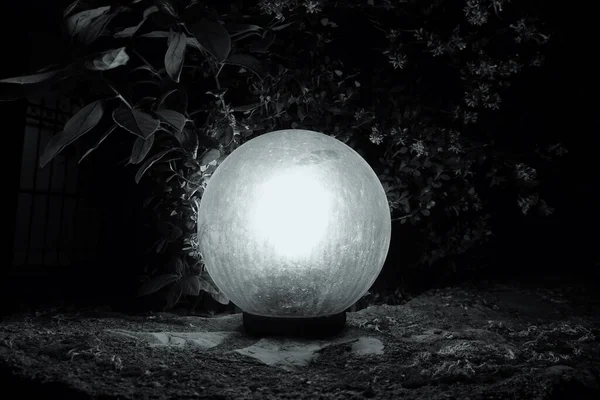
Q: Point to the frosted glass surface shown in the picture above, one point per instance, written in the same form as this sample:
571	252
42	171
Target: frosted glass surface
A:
294	223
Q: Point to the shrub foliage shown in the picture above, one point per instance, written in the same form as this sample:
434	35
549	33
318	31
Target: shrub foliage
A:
416	86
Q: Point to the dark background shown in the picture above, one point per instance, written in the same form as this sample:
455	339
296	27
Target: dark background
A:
562	103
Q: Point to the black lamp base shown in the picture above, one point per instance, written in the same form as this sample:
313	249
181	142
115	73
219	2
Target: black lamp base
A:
313	328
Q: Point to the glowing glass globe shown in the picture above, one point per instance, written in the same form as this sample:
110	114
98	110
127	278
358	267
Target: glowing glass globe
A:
294	223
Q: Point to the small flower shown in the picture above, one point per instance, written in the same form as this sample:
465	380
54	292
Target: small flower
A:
455	148
419	34
436	47
537	61
483	88
312	6
457	113
392	35
511	67
558	149
492	102
398	60
419	148
375	137
401	135
387	4
456	41
471	99
438	50
470	117
525	203
359	114
454	135
525	172
545	208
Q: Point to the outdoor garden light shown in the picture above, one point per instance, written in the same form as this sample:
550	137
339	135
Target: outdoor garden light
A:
294	227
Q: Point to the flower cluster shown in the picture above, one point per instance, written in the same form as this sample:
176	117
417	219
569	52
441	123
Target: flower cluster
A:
419	148
525	32
525	172
482	96
476	13
275	7
526	203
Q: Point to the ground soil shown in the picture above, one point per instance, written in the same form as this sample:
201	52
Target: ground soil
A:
492	341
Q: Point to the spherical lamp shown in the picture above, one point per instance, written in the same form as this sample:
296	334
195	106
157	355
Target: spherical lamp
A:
294	227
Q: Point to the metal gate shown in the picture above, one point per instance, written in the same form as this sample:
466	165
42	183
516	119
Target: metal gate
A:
53	226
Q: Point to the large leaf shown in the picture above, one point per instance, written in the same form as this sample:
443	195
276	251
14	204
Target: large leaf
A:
150	162
176	100
175	54
239	29
99	142
213	38
262	45
247	107
108	60
40	82
207	141
190	285
166	7
70	8
210	156
141	148
177	265
156	34
146	68
206	284
175	233
149	11
173	118
157	283
128	32
191	41
145	102
187	138
135	121
132	30
32	79
79	124
93	31
247	61
86	26
225	135
173	296
282	26
174	97
220	297
77	22
163	97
